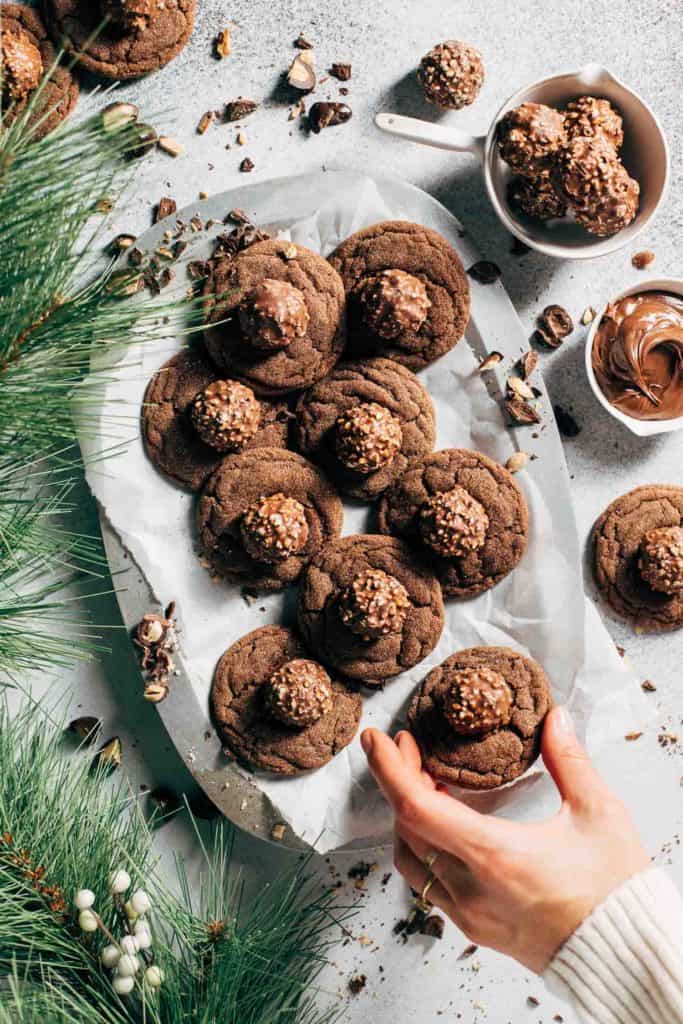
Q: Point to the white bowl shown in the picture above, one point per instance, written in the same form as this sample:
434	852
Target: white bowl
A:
645	154
643	428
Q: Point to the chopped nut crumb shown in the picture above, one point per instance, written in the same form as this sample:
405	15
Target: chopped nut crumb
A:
204	122
633	736
171	146
648	686
643	259
221	44
247	165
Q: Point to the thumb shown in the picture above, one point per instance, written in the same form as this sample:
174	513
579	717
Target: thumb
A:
567	761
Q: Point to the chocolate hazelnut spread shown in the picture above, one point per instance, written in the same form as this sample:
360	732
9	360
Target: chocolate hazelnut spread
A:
638	355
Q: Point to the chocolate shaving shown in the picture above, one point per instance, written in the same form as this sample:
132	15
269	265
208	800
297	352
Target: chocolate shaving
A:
237	109
566	424
325	115
543	337
527	364
556	320
237	240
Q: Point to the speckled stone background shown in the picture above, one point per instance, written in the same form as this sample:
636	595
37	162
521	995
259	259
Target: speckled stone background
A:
383	39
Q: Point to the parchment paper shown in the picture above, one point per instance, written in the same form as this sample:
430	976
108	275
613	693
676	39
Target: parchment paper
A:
540	609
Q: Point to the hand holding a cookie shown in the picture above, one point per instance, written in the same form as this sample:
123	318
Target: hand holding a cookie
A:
521	889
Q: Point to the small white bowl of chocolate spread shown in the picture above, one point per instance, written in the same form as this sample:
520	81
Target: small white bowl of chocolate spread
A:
634	357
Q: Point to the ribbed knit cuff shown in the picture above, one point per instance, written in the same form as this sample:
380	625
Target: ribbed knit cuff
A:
624	963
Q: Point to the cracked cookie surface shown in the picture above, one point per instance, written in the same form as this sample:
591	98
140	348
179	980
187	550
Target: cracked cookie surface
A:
424	254
493	486
74	26
60	93
241	480
616	541
373	380
308	357
332	571
171	441
253	736
481	762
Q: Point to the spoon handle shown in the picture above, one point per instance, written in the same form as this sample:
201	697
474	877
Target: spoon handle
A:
441	137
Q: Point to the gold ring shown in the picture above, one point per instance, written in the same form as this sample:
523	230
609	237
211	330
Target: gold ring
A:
426	887
431	859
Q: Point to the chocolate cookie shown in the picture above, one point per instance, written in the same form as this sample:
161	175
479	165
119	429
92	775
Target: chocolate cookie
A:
408	294
627	539
249	730
368	607
120	49
362	455
36	56
465	513
170	438
263	515
283	308
478	717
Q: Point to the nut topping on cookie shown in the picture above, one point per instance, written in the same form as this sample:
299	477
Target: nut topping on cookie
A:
453	523
374	605
273	314
226	415
393	302
274	527
367	437
478	701
132	15
21	66
299	693
661	559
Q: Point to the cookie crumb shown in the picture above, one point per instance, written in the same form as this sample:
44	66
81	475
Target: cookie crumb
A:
277	832
171	146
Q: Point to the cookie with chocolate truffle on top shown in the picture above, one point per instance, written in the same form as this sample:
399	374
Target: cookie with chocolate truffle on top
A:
121	38
638	557
275	316
26	55
192	417
364	423
478	717
465	514
408	294
369	607
263	515
277	710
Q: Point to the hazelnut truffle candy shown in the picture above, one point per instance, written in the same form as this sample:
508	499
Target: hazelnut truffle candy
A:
394	302
375	604
453	523
21	66
530	137
451	74
661	559
132	16
589	116
367	437
274	527
299	693
478	701
226	415
273	314
536	197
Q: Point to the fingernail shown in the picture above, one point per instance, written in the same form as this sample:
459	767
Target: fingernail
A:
366	741
565	723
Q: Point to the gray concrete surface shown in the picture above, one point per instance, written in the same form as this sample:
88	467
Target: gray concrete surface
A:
383	40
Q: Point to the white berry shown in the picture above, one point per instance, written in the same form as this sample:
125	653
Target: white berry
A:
128	966
129	911
140	901
119	882
130	945
154	976
123	986
110	956
87	921
84	899
142	934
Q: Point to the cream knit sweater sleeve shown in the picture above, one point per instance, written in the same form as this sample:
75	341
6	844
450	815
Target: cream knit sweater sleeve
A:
624	963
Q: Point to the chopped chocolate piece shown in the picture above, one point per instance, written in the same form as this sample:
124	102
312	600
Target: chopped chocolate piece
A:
468	951
165	207
302	43
357	984
85	728
238	239
491	360
521	412
557	321
204	122
198	269
518	247
533	1001
221	44
362	869
165	804
121	244
108	757
484	272
237	109
527	363
433	926
247	164
238	216
341	71
643	259
648	686
541	336
323	115
566	424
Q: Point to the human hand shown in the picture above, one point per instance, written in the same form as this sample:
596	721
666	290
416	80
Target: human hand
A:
521	889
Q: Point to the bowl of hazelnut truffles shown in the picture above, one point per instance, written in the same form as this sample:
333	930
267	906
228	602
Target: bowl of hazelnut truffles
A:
574	165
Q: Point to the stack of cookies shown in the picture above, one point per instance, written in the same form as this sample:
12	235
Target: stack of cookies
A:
305	391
